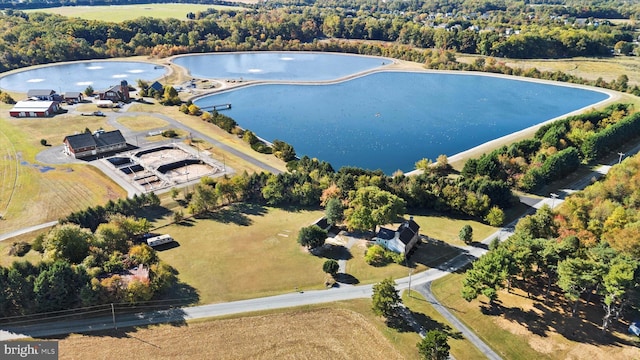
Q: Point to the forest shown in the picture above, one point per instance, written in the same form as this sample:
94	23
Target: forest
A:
585	253
530	32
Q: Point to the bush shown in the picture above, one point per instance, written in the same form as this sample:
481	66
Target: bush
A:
43	142
169	133
466	234
376	255
6	98
495	217
330	267
19	248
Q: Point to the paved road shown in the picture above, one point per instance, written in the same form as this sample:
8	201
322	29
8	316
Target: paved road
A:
425	290
29	229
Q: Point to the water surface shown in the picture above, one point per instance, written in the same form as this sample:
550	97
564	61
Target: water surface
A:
298	66
77	76
390	120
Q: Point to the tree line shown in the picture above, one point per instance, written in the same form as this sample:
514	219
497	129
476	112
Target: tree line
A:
558	148
37	38
586	252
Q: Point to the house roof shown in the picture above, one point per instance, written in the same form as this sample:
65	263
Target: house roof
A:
83	140
32	105
108	138
73	94
408	229
156	86
40	92
385	234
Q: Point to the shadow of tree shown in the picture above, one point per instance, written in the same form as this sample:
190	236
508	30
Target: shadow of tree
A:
346	279
428	323
333	251
229	216
433	253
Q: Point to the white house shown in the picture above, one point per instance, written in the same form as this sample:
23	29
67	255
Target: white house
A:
402	240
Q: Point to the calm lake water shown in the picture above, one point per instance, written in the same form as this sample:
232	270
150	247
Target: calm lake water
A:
299	66
77	76
390	120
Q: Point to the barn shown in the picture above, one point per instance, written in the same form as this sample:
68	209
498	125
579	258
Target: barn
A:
34	108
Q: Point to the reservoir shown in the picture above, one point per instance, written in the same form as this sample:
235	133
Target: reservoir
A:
285	66
389	120
76	76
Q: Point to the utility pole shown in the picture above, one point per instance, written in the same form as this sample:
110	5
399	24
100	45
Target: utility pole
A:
554	196
620	158
113	316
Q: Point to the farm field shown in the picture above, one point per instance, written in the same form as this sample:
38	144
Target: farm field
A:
529	329
346	329
122	13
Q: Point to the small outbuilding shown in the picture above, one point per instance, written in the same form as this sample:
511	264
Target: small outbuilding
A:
34	108
87	144
402	240
73	97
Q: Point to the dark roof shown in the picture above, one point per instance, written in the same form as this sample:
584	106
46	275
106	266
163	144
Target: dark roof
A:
322	223
40	92
408	229
386	234
99	139
82	140
108	138
157	87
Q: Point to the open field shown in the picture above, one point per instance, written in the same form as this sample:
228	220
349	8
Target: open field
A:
529	329
139	123
259	244
587	68
122	13
244	252
345	330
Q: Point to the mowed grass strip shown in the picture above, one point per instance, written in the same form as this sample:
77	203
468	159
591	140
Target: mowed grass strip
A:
8	171
527	329
346	330
120	13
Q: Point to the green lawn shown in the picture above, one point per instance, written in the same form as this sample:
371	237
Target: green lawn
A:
122	13
245	252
